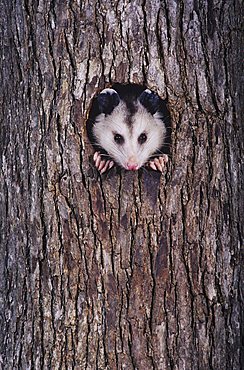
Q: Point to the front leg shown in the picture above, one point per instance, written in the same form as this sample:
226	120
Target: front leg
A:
101	164
158	164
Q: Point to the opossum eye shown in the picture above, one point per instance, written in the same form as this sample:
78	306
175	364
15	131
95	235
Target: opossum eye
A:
142	138
119	139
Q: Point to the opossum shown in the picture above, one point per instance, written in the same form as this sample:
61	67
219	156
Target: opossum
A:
129	125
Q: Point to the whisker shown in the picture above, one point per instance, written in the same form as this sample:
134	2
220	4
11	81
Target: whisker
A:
146	171
98	145
157	155
105	155
167	144
164	116
115	152
92	143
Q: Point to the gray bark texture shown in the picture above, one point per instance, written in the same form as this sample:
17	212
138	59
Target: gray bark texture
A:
129	270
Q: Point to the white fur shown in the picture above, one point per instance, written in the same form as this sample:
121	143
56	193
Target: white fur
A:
130	150
108	90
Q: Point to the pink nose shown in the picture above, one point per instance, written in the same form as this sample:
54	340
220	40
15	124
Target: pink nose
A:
132	167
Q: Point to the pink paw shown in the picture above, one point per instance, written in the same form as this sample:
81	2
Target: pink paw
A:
101	164
158	164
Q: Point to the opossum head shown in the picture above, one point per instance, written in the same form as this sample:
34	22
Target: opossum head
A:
130	128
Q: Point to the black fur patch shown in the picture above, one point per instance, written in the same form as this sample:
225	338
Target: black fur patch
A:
106	102
150	101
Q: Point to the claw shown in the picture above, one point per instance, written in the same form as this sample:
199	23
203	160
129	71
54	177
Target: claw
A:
96	154
164	158
101	164
111	163
105	167
152	165
98	161
158	164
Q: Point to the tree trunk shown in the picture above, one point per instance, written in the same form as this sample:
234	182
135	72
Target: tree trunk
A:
129	270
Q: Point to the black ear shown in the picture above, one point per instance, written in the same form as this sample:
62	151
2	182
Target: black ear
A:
107	100
150	100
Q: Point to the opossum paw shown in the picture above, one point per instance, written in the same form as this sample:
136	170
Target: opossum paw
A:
101	164
158	164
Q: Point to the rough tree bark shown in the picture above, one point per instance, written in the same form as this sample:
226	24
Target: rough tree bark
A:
127	271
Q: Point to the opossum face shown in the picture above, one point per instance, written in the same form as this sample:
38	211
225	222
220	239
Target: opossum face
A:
129	131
